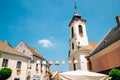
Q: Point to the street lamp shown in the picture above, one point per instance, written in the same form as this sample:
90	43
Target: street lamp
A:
50	62
57	63
63	62
75	61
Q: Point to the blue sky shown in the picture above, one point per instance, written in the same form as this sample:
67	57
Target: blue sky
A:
43	24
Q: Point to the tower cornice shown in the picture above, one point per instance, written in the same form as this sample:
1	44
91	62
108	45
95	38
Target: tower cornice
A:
77	19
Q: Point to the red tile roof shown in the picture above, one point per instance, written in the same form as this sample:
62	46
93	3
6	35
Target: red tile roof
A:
4	47
90	46
34	51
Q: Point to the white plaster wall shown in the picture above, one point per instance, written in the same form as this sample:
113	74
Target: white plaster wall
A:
33	71
83	40
83	61
21	46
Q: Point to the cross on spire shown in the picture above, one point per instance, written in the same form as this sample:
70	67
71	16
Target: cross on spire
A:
75	6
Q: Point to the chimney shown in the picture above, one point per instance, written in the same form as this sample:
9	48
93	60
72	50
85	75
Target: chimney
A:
118	20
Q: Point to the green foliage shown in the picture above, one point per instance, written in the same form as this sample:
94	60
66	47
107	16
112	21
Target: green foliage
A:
9	44
114	74
0	54
5	73
50	74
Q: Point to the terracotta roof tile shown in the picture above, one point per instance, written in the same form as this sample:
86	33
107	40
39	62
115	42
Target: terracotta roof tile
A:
6	48
90	46
111	37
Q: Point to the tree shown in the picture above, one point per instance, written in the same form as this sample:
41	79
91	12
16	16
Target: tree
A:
114	74
7	43
0	54
5	73
50	74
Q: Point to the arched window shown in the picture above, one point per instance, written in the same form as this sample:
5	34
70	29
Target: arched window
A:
72	31
72	45
80	30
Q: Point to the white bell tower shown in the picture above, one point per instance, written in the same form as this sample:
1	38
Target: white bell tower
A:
78	41
78	32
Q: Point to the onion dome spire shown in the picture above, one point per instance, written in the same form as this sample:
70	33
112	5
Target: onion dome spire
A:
76	13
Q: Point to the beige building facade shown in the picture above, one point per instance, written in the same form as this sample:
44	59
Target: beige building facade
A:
37	66
15	60
26	63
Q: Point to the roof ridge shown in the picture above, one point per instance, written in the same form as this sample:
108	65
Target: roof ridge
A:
6	48
34	51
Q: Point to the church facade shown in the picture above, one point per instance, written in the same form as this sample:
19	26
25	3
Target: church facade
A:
79	45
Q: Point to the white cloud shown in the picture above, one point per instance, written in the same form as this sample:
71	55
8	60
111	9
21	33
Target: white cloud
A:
45	43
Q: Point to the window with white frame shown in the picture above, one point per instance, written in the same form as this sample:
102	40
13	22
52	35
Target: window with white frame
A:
5	63
18	66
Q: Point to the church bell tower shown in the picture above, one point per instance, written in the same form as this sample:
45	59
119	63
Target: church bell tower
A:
78	39
78	32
